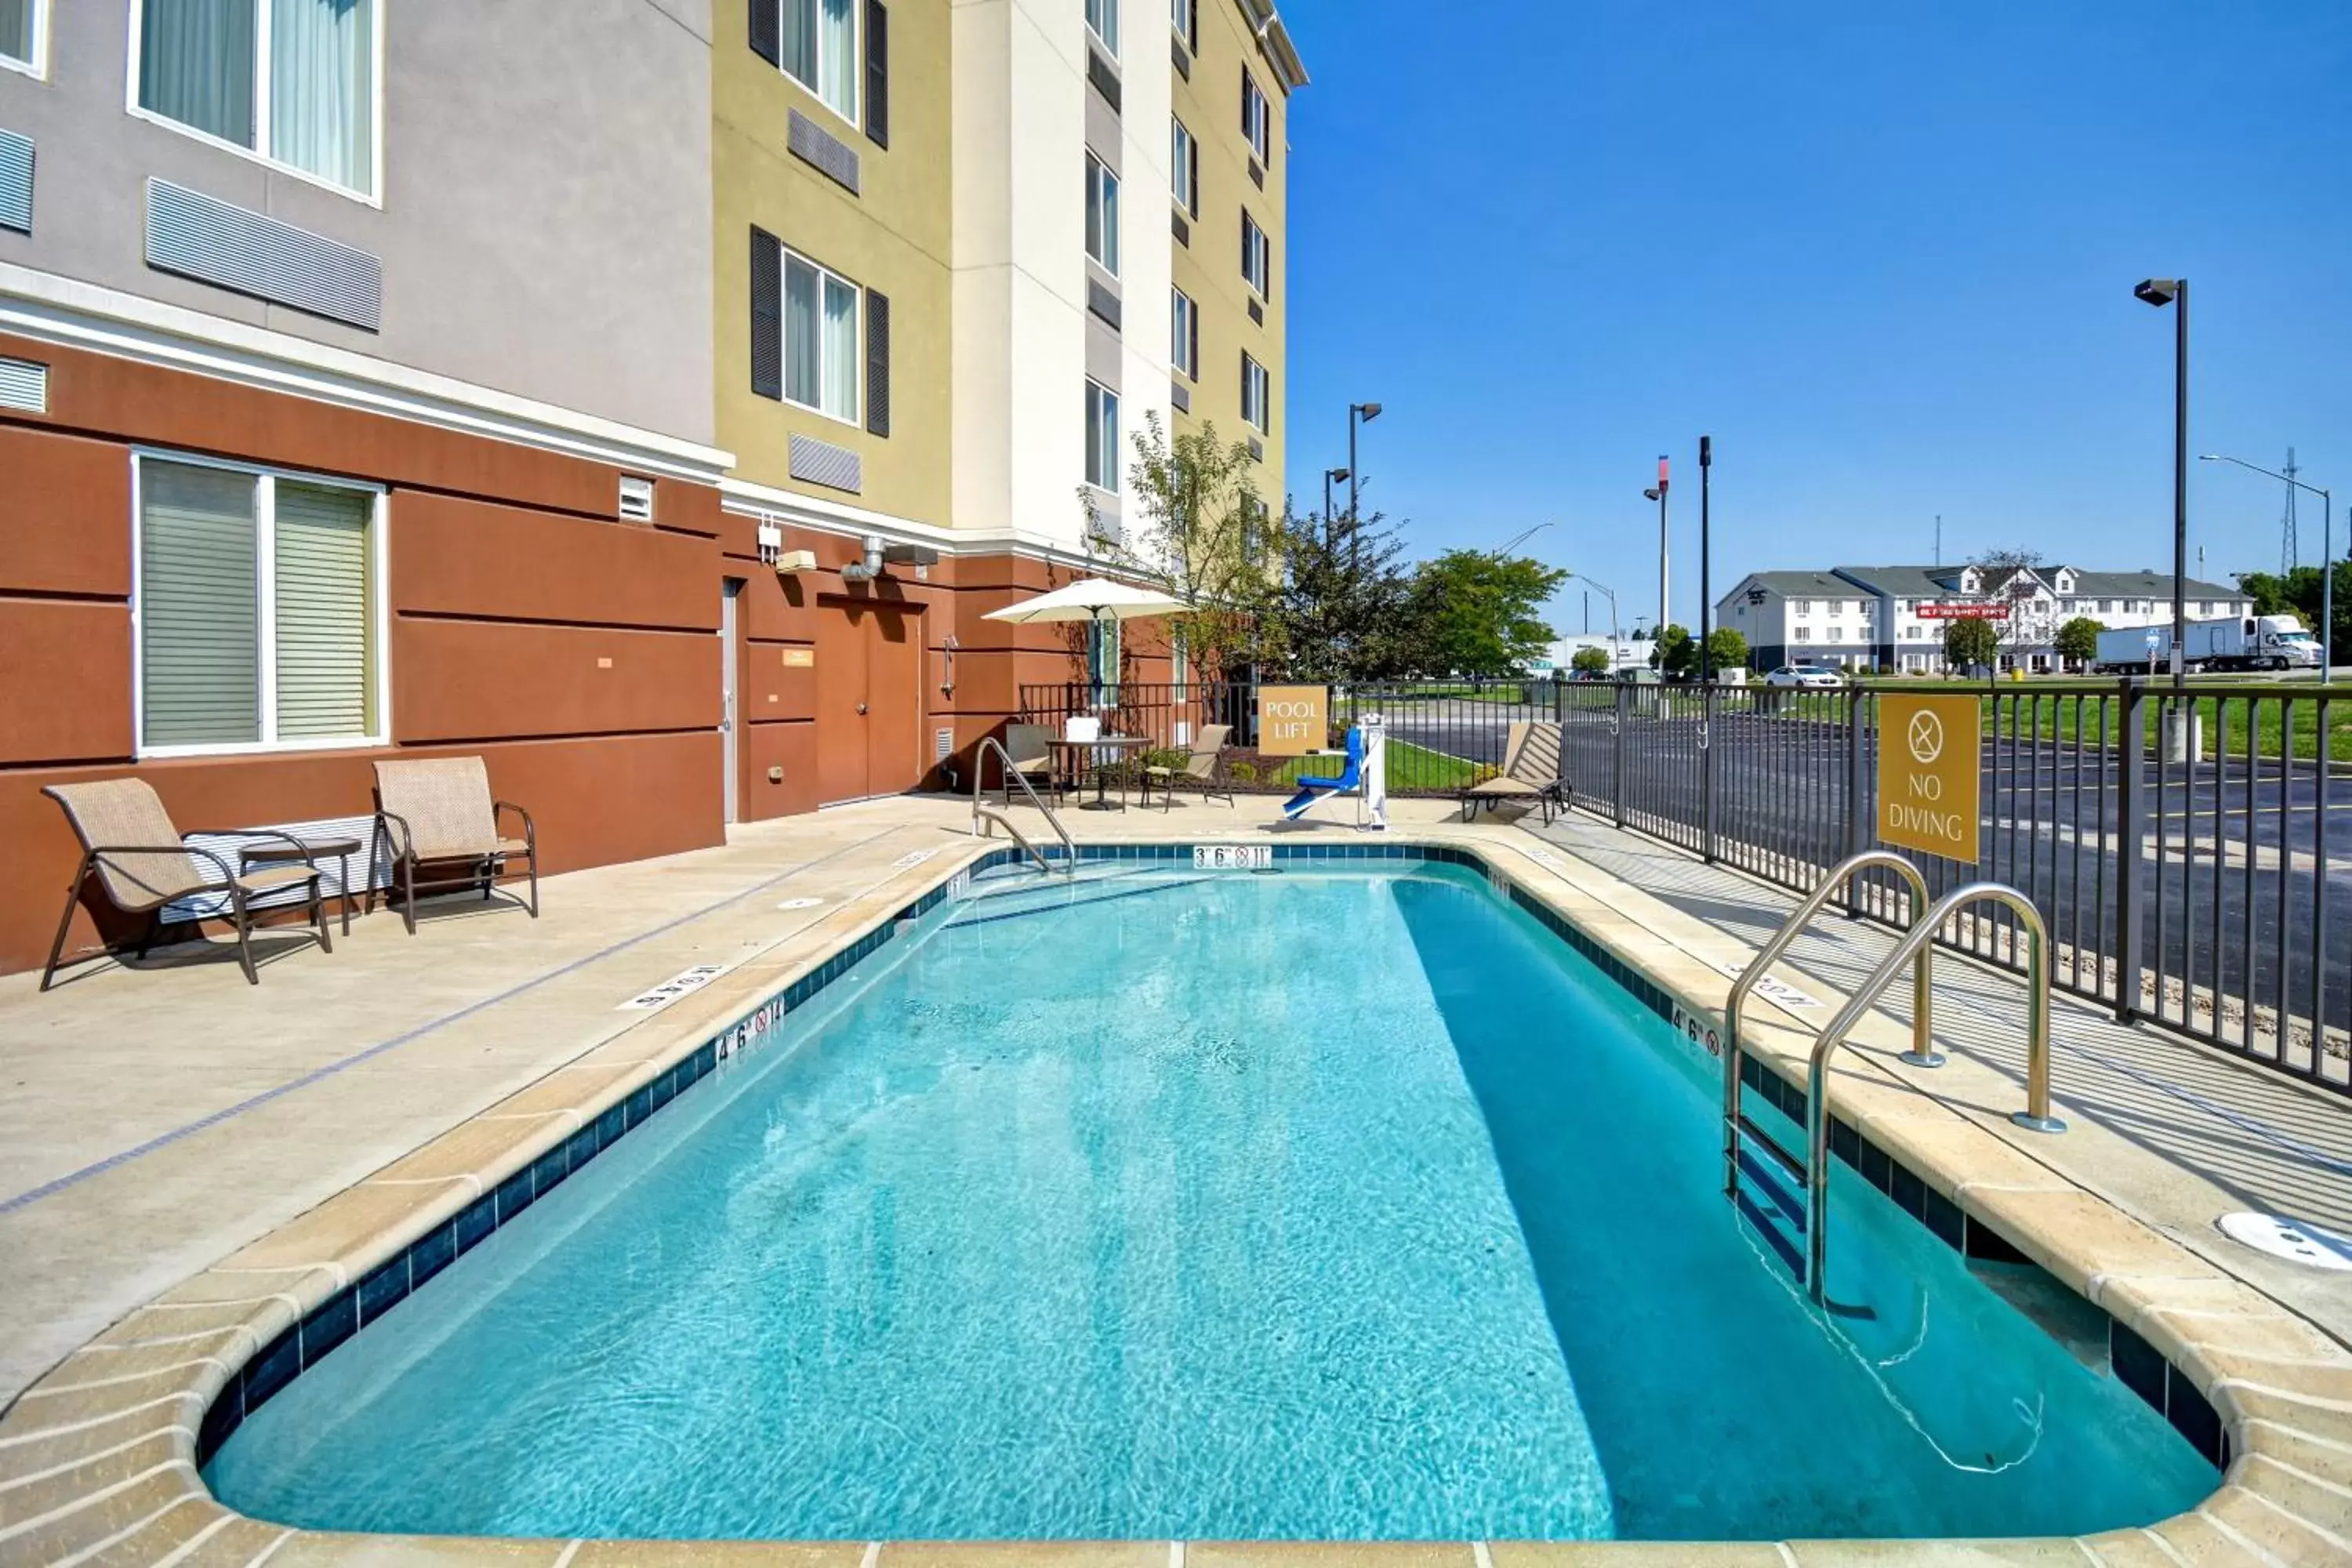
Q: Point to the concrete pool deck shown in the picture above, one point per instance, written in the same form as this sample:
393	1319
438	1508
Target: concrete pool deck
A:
182	1134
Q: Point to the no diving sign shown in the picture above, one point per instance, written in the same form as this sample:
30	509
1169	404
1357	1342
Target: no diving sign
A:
1931	752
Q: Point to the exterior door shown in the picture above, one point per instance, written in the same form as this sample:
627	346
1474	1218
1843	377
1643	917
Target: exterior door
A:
841	705
894	673
869	659
730	667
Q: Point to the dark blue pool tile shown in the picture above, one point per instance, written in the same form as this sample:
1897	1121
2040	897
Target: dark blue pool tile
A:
433	1252
2138	1364
1845	1144
665	1089
272	1370
708	1057
639	1106
2192	1415
513	1195
384	1289
223	1417
476	1221
331	1322
610	1126
1909	1193
1876	1168
1944	1217
581	1147
1987	1244
547	1171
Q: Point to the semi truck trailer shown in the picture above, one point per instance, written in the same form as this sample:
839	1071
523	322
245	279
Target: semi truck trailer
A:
2255	642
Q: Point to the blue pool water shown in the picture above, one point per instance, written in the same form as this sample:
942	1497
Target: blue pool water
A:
1301	1205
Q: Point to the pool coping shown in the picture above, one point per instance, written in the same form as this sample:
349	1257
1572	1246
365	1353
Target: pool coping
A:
100	1454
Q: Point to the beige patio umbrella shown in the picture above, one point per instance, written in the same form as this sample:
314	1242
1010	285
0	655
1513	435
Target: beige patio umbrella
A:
1091	599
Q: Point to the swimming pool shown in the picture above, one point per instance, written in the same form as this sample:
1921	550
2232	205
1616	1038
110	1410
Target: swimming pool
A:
1332	1203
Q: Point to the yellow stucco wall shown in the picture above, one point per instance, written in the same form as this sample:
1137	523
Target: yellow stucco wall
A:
892	237
1210	268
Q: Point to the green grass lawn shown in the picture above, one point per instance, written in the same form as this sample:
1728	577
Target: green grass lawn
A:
2018	711
1410	768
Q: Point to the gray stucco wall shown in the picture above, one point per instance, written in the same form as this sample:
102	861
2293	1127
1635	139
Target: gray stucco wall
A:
545	226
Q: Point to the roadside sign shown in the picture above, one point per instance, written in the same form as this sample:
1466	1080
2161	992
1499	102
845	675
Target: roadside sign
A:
1930	751
1293	721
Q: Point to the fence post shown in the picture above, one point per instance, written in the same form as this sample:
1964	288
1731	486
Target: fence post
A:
1706	711
2132	757
1617	788
1857	810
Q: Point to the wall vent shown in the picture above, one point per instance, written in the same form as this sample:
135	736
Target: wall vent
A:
823	463
1181	396
1106	527
1257	449
1257	175
1104	75
1257	312
822	150
15	182
213	242
942	745
1180	229
1182	58
23	385
636	499
1103	303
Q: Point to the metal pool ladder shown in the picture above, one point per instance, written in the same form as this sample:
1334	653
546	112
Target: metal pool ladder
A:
1913	949
984	819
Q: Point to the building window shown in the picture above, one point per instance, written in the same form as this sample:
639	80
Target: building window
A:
1804	607
21	24
1102	659
293	81
1186	14
1185	166
1257	118
1837	633
1185	318
1102	437
820	51
1257	257
1258	395
2204	607
1102	215
814	330
1102	20
258	610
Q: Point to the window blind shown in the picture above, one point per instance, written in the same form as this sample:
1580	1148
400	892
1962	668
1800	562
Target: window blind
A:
200	677
324	578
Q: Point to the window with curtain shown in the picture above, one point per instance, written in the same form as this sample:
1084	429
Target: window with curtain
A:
20	33
1185	319
820	51
1102	215
1102	660
1102	17
1257	118
201	64
1258	395
257	610
1183	170
1257	257
1102	437
822	345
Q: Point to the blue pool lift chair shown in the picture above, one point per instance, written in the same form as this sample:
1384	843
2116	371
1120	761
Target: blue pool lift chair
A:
1350	777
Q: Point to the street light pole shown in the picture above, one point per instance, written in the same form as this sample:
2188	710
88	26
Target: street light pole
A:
2160	292
2327	553
1659	495
1357	414
1611	594
1329	475
1705	554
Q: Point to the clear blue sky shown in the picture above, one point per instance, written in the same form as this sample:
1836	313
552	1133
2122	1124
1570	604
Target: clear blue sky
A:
1883	253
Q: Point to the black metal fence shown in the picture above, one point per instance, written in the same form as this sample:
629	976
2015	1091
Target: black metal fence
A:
2191	855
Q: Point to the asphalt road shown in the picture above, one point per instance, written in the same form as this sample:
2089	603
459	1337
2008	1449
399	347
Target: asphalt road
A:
2215	904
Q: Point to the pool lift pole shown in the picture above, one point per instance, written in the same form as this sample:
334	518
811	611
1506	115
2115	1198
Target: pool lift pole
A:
1372	802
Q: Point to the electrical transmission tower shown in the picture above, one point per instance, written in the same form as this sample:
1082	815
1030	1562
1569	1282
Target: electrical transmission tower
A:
2289	554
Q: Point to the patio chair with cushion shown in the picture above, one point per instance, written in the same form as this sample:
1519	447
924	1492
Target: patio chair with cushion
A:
144	864
1530	772
1030	747
438	814
1203	769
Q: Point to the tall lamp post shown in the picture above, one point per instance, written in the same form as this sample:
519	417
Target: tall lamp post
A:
2326	554
2160	292
1705	552
1611	594
1659	495
1357	414
1329	475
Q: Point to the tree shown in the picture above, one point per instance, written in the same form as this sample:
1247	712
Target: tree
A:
1726	649
2077	641
2012	577
2300	593
1202	535
1590	660
1969	642
1473	612
1673	652
1343	602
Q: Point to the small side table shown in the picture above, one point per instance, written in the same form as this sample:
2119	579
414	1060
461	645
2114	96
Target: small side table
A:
341	850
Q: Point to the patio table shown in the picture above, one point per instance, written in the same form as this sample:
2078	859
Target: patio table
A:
1072	754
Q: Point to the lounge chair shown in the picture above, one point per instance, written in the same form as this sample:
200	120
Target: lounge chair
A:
1203	769
143	863
438	813
1530	772
1031	749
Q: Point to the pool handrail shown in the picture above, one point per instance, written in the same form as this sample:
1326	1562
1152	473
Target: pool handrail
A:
2034	1117
982	813
1923	1040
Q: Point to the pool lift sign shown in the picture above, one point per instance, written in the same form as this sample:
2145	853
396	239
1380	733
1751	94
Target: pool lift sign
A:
1930	749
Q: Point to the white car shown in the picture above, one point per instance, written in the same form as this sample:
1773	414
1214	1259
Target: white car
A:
1804	674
